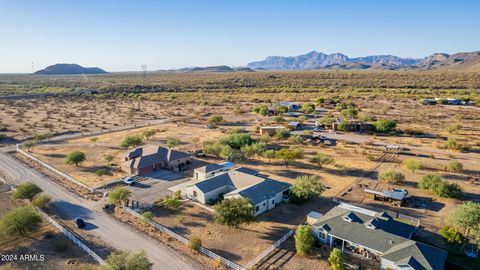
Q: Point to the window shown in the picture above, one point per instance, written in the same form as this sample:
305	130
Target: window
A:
273	201
194	193
257	208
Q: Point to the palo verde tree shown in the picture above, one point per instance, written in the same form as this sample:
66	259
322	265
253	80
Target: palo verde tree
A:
30	144
172	142
27	191
466	217
385	126
131	141
288	155
391	176
75	158
234	212
305	188
20	221
215	119
127	260
149	133
413	164
304	240
321	159
119	195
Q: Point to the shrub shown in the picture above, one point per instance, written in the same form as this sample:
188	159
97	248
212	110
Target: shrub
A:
288	155
451	235
195	243
321	159
100	172
391	176
295	139
126	260
231	154
278	119
75	158
172	142
435	184
20	221
41	200
234	212
215	119
413	164
237	140
385	126
147	216
282	134
171	203
453	144
455	167
336	260
304	240
27	191
119	195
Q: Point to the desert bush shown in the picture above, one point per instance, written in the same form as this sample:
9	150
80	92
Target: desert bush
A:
27	191
305	188
75	158
391	176
413	164
195	243
41	200
455	167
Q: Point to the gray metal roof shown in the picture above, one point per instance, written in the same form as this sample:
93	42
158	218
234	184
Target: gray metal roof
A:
149	155
209	168
262	191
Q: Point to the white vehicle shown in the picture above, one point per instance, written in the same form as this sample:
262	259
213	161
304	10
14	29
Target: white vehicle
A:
129	181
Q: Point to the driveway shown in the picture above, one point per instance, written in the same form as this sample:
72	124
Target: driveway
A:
155	185
101	225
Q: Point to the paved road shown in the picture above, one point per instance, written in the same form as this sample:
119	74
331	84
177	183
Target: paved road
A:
118	235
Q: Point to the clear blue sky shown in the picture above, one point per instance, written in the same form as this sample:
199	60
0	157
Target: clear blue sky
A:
123	35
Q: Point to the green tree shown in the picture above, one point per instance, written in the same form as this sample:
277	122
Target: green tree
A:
455	167
350	112
75	157
20	221
231	154
288	155
195	243
430	181
149	133
30	144
282	133
237	140
212	148
391	176
100	172
253	150
327	120
262	110
308	108
451	235
108	159
435	184
282	109
321	159
467	217
295	139
304	240
27	191
171	202
215	119
41	200
342	126
131	141
413	164
119	195
172	142
127	260
278	119
234	212
147	216
453	144
336	259
305	188
269	154
385	126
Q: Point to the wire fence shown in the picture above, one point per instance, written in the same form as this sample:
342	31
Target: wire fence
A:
265	253
186	241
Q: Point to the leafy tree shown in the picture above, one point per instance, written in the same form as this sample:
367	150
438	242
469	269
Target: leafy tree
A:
119	195
451	235
435	184
308	108
41	200
455	167
413	164
364	117
391	176
30	144
215	119
321	159
302	119
326	120
195	243
385	126
295	139
282	109
27	191
171	202
262	110
336	259
253	150
20	221
308	132
133	141
237	140
467	218
350	112
234	212
100	172
172	142
212	148
265	138
430	181
305	188
450	190
269	154
108	159
75	157
282	133
278	119
127	260
342	126
149	133
288	155
231	154
304	240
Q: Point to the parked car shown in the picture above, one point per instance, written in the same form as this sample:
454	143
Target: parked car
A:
317	129
79	222
129	181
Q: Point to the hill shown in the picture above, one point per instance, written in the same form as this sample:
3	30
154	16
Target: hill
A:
222	68
316	60
69	69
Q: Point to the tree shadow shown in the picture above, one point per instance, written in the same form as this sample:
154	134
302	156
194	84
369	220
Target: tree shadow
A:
67	210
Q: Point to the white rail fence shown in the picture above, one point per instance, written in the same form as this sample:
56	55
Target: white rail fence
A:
54	170
186	242
262	255
72	237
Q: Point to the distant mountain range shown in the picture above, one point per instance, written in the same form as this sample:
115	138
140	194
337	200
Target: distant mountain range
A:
316	60
213	69
69	69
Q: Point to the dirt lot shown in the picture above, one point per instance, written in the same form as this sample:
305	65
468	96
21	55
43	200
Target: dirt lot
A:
43	242
243	244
